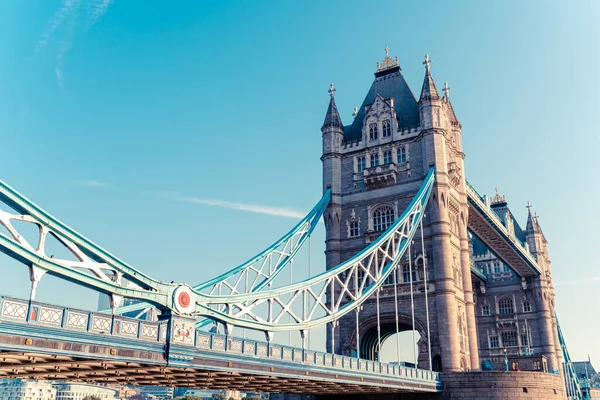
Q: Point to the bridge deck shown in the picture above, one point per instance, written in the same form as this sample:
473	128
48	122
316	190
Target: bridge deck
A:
486	225
41	341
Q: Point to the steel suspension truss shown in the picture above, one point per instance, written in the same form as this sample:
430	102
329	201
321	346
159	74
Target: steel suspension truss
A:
572	385
91	266
236	298
329	295
260	270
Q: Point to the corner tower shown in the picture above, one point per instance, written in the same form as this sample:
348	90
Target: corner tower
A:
374	167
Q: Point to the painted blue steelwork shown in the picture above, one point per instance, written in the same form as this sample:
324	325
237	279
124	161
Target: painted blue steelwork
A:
376	262
573	387
285	249
101	271
478	271
96	332
482	206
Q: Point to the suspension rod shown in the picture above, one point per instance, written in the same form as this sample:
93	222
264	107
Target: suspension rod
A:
396	310
412	302
425	270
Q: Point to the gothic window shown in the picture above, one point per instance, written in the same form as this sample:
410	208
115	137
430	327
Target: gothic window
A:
526	306
406	274
494	344
506	268
383	217
374	159
390	279
387	157
496	267
387	128
361	163
509	339
485	310
373	131
353	228
505	306
401	155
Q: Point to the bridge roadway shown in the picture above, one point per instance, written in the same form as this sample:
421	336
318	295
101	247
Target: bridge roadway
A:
42	341
501	240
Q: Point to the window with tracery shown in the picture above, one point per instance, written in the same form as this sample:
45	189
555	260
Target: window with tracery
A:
372	131
383	217
485	310
387	128
494	343
387	157
406	274
353	228
506	306
510	339
361	163
374	159
401	155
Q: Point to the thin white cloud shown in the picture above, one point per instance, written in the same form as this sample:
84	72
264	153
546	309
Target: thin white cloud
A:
578	282
65	12
62	28
93	183
233	205
99	8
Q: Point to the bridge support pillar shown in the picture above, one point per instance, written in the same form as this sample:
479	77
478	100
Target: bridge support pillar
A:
181	339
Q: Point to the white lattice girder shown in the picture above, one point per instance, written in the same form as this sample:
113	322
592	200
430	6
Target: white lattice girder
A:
376	261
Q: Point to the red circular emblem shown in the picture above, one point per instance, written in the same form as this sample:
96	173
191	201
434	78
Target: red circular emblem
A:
184	299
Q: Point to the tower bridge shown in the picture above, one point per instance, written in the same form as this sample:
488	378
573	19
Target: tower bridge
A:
410	245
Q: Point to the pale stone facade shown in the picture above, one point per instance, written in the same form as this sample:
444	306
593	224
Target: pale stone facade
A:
374	166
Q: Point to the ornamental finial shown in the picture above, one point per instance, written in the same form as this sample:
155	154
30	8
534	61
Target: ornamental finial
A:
388	62
497	199
446	90
529	206
332	90
355	112
427	62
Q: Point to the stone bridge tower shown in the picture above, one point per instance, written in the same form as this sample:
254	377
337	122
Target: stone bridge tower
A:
374	166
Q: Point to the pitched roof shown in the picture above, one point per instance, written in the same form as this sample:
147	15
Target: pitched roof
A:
580	369
332	118
500	210
389	83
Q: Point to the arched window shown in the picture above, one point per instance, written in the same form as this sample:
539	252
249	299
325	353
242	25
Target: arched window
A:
353	228
383	217
505	306
387	128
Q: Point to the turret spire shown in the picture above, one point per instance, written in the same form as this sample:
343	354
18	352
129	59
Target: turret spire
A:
332	118
446	91
429	91
532	223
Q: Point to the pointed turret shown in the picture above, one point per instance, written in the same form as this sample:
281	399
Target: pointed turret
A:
429	91
450	109
531	223
536	240
332	118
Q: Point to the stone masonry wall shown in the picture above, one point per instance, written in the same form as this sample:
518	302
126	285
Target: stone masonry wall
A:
502	386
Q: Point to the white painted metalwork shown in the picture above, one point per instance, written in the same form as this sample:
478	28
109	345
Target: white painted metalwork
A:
366	271
220	299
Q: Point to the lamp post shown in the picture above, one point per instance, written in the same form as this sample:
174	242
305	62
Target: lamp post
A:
505	360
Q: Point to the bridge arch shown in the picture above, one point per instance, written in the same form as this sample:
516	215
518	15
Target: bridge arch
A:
368	335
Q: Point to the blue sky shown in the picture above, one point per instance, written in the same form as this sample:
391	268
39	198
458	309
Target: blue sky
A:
184	136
